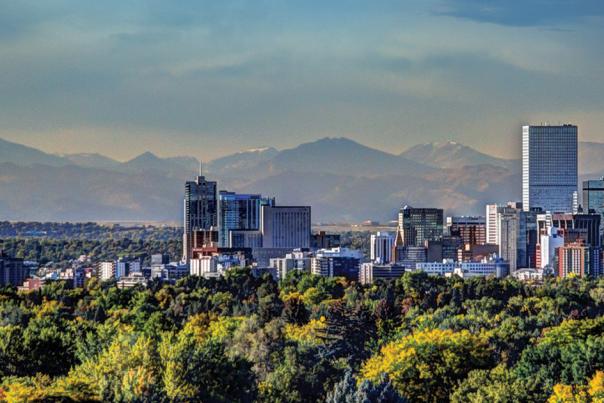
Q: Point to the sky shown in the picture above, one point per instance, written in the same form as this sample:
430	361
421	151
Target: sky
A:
207	78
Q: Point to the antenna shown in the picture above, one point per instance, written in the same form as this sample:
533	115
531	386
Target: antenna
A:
200	168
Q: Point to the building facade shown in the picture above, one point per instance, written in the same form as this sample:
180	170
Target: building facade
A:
492	224
337	262
285	226
471	230
12	271
550	168
200	210
593	199
382	247
371	272
239	212
573	260
418	225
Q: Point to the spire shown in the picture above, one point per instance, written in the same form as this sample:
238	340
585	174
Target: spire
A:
200	168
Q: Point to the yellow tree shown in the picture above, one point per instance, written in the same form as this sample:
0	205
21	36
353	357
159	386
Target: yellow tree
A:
426	365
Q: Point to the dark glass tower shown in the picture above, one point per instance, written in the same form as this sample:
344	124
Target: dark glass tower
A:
201	210
419	225
239	212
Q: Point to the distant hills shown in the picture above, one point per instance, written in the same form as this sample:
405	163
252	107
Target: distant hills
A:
343	180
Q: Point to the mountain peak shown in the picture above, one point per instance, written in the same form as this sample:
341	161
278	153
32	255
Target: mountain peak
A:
451	154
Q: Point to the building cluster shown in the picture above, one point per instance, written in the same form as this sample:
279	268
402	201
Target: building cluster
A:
555	230
223	230
550	232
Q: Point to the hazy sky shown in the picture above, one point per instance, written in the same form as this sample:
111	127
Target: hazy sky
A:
206	78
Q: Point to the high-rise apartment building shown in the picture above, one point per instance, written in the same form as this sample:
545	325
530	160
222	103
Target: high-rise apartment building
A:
573	259
471	230
239	212
418	225
549	168
285	226
200	210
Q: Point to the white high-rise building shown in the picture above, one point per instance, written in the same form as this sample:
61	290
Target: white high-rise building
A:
382	244
492	224
549	167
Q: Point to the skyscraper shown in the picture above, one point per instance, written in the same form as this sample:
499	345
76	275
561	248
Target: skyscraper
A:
201	210
593	199
492	224
549	168
419	225
518	236
239	212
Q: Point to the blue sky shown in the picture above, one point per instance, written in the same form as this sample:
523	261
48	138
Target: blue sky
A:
208	78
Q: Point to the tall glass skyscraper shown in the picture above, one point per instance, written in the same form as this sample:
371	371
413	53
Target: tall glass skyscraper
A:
549	168
201	210
593	198
239	212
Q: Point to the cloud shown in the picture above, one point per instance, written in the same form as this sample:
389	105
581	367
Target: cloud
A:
522	13
213	77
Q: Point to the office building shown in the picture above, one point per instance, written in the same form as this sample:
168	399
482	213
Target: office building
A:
410	255
371	272
207	238
296	261
472	230
285	226
200	210
132	280
476	253
518	236
322	240
447	248
488	267
12	271
118	268
382	247
215	265
337	262
593	199
239	212
245	239
418	225
550	168
492	224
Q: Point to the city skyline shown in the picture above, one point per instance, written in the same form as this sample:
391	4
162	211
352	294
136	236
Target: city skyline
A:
122	79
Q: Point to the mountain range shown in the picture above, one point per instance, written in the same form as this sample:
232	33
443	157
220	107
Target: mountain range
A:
343	180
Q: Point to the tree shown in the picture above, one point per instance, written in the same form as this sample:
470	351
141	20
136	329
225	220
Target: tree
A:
426	366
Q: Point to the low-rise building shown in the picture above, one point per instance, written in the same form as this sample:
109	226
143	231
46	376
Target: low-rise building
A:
296	260
337	262
371	272
493	267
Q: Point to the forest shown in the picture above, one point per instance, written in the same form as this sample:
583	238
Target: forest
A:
245	339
